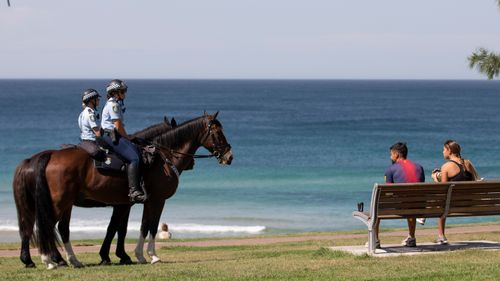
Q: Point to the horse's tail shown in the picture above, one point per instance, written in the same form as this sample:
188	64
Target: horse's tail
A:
23	187
45	219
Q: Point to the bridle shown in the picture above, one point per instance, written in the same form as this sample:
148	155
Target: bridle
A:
218	150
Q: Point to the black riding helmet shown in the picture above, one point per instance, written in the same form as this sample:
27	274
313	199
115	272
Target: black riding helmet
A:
89	94
115	85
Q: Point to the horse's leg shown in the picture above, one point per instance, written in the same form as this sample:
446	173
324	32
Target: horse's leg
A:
26	232
25	252
57	258
23	188
122	233
156	210
118	222
139	249
63	227
110	234
45	217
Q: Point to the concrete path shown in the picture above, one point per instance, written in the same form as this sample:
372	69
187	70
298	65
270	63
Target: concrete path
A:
422	248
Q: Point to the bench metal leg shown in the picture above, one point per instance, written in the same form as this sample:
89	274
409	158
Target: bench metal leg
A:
371	242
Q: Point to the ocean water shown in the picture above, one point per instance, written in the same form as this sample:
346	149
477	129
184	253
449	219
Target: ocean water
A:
305	152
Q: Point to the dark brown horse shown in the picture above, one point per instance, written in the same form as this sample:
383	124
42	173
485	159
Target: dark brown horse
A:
64	175
24	192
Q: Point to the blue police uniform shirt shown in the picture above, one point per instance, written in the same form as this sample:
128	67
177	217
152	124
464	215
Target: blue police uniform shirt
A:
87	121
111	111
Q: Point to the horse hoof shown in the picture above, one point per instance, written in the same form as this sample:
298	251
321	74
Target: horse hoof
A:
51	266
75	262
155	259
30	265
62	264
105	262
142	260
126	262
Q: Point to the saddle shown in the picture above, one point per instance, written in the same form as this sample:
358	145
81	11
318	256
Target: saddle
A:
111	162
106	160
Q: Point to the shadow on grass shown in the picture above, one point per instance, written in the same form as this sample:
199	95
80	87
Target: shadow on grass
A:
327	253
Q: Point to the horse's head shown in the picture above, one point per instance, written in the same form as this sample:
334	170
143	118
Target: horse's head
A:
215	141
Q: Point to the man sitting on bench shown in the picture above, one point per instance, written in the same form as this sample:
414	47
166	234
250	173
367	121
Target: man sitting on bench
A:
402	170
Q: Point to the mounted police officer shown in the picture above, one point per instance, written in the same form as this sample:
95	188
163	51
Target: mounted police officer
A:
117	138
87	121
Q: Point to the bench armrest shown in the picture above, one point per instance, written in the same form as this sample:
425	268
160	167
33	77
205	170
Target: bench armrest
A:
363	216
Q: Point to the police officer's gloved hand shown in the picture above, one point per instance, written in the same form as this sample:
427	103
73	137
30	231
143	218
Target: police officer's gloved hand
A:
100	141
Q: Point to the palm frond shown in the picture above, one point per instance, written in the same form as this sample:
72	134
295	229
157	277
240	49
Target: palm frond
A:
485	62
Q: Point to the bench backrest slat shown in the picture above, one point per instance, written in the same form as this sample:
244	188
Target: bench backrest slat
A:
410	205
451	199
431	212
409	200
475	198
460	211
474	202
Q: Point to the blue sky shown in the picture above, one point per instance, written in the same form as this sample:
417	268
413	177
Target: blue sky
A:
350	39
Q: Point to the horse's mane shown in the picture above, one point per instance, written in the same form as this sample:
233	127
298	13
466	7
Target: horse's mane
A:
152	131
187	130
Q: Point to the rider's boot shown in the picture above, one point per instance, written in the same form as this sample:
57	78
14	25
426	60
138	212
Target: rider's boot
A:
136	195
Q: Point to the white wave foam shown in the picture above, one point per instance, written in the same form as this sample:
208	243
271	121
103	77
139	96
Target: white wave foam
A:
200	228
9	228
101	226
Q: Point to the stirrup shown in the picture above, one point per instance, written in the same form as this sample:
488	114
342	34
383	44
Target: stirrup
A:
137	197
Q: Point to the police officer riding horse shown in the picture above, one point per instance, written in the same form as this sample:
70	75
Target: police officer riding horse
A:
117	138
87	121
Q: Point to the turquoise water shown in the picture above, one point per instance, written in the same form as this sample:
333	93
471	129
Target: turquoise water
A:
305	151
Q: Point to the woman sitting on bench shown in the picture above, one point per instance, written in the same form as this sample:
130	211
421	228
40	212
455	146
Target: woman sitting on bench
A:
455	169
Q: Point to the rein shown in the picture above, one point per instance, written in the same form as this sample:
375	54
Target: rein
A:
182	153
216	149
216	153
192	155
167	163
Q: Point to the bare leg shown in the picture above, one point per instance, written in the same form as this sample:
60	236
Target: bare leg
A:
412	225
441	226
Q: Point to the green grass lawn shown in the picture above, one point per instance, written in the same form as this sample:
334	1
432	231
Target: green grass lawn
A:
283	261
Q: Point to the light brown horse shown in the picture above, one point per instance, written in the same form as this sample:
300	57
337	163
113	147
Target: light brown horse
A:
65	174
24	191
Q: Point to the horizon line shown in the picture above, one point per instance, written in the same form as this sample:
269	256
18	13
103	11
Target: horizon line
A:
269	79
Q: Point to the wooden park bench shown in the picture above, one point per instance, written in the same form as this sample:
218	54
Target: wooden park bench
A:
430	200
